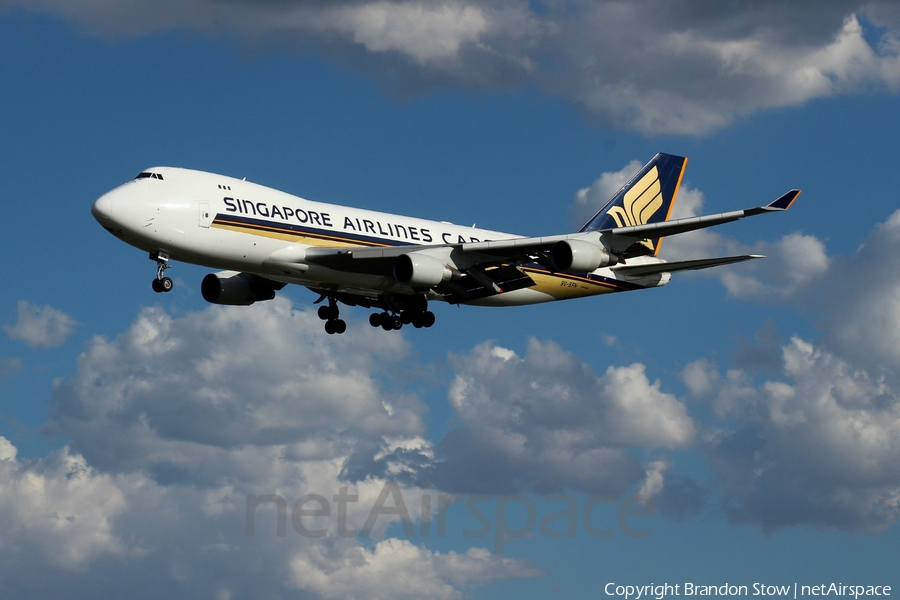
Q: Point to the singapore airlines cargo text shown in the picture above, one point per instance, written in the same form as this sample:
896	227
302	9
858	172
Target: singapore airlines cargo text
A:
658	592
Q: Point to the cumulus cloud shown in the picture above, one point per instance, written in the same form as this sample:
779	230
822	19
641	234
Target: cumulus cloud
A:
682	67
545	422
862	314
59	510
263	375
71	530
398	569
588	201
41	326
191	442
175	422
793	263
815	446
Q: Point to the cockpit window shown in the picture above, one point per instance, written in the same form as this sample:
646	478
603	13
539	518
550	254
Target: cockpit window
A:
145	175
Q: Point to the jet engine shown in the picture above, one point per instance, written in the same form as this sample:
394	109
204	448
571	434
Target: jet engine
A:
237	289
578	256
420	270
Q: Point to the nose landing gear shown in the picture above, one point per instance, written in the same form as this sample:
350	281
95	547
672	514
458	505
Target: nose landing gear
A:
161	283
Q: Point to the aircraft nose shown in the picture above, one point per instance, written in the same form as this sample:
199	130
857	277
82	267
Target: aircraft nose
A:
102	209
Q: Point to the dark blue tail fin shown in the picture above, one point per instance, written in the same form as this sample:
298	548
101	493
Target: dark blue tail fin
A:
647	198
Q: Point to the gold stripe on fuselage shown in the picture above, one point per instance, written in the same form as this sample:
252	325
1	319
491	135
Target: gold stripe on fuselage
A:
562	286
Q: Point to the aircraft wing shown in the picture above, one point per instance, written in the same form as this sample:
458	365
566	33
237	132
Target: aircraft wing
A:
480	269
470	279
677	226
526	249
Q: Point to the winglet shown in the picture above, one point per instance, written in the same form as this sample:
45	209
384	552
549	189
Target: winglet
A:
785	201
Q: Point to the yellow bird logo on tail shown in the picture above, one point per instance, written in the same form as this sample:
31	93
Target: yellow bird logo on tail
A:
640	203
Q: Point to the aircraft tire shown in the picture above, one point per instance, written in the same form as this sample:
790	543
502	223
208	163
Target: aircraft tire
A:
166	284
329	327
156	286
340	326
324	312
428	319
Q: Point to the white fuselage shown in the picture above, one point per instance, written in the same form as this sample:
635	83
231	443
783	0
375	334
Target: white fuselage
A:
232	224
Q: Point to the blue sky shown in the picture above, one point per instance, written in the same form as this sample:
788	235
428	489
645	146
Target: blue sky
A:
757	404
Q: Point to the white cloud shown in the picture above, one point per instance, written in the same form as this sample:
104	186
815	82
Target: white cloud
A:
425	32
546	422
41	326
655	479
7	450
588	201
58	510
190	393
682	68
817	446
177	421
793	263
861	315
397	569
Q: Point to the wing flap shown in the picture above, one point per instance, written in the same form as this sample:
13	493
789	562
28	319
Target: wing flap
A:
479	283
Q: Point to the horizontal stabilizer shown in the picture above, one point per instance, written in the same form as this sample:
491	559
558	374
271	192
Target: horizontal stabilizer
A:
682	265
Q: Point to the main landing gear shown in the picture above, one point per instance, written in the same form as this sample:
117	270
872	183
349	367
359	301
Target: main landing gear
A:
390	321
161	283
331	315
397	311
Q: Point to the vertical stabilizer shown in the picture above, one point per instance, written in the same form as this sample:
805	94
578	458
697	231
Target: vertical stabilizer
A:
647	198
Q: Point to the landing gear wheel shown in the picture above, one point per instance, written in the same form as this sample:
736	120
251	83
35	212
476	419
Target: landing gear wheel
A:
375	319
428	319
396	322
325	313
161	283
337	326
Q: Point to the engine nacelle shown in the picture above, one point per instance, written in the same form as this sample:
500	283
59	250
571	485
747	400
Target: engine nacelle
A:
237	289
420	270
578	256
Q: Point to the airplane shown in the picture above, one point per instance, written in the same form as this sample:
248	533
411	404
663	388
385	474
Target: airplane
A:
264	239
